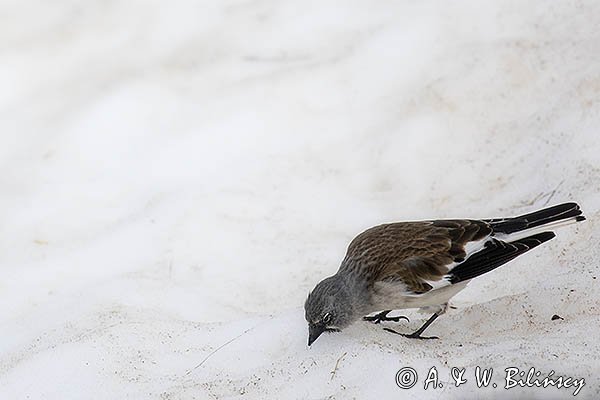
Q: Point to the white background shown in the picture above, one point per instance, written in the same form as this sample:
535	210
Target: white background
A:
178	174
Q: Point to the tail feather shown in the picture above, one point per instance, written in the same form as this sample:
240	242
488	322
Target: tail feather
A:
561	212
514	236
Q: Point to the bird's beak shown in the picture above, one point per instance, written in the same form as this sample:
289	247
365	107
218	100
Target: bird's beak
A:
314	331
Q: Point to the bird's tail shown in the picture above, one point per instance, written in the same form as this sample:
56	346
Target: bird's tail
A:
513	237
537	221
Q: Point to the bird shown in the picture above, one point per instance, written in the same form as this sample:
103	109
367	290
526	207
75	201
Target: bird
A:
423	264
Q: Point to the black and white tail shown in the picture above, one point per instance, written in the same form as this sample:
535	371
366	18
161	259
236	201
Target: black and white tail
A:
512	237
542	220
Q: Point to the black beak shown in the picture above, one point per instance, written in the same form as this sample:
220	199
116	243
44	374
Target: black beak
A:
314	331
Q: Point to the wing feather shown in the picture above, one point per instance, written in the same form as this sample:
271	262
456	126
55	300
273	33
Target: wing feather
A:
420	254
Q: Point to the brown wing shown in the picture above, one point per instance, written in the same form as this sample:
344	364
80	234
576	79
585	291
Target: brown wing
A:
413	252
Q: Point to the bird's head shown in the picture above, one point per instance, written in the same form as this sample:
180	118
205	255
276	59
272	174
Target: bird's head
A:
328	308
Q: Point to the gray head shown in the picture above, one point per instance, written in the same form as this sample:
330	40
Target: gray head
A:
329	307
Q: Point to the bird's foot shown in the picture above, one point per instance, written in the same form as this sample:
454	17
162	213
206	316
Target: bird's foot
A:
382	316
414	335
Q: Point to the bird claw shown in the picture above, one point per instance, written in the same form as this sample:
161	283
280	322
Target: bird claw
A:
414	335
382	317
397	319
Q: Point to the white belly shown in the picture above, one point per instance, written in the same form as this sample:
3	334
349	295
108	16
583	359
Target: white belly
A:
394	296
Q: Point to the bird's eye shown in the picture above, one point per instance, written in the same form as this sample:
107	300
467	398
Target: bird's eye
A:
327	318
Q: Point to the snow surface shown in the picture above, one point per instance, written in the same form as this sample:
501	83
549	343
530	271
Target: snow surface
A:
176	176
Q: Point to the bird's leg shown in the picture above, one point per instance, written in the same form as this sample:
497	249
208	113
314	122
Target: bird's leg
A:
418	332
382	316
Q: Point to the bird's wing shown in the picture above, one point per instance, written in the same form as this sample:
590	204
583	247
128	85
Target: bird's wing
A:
418	254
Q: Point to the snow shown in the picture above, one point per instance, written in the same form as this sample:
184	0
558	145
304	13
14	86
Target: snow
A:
177	177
